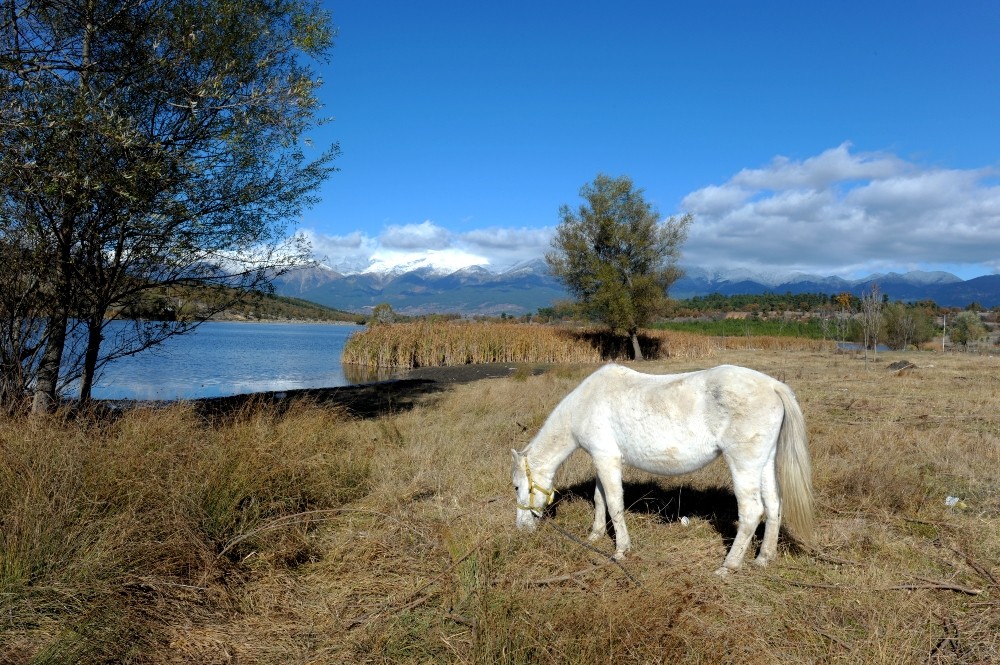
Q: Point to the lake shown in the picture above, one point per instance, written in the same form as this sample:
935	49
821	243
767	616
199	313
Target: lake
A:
227	358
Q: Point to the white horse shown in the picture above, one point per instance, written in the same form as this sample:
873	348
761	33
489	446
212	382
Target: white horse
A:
673	424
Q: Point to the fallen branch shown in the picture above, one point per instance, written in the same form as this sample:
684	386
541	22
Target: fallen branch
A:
306	517
835	640
810	585
410	604
569	576
829	558
927	584
976	566
936	584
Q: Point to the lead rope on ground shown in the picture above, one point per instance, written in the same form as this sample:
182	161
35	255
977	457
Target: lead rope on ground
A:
586	545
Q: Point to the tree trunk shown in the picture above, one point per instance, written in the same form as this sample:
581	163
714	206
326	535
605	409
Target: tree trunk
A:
94	338
636	351
46	394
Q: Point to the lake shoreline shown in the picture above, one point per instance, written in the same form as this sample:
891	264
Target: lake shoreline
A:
362	400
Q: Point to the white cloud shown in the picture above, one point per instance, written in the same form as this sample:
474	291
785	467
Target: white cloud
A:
448	260
508	246
847	213
833	166
426	235
432	245
839	212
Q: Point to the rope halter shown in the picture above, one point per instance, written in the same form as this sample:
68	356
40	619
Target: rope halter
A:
532	487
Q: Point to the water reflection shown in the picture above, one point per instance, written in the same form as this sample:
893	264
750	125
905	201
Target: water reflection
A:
225	358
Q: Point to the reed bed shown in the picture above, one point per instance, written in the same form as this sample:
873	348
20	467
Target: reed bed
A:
443	344
449	343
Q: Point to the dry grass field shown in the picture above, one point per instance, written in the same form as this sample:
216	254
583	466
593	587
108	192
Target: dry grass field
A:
315	537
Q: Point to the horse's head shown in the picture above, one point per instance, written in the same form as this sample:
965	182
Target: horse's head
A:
532	498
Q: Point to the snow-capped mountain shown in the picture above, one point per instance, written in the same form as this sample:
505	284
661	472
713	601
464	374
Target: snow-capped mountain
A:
419	287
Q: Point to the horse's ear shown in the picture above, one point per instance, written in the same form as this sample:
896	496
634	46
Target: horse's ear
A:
515	455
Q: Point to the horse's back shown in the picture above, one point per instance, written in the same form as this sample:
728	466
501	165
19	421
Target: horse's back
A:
671	423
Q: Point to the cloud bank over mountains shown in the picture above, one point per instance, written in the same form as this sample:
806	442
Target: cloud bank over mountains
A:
849	213
839	212
409	244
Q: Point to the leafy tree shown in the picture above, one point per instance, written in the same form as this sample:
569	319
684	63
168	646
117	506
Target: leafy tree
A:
382	314
967	327
616	256
153	142
905	325
22	310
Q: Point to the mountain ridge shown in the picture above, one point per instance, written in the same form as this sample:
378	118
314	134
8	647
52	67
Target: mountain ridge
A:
527	286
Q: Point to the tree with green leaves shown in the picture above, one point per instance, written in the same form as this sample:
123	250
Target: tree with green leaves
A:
382	314
145	143
22	316
617	256
906	325
967	327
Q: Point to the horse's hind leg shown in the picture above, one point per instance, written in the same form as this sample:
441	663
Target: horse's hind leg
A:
600	526
746	485
772	515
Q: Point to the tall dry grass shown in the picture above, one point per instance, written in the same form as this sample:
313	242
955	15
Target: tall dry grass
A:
450	343
112	531
449	579
421	561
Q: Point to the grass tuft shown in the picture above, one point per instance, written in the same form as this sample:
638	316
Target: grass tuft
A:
100	520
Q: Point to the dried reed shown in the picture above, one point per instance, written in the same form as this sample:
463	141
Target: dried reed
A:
448	343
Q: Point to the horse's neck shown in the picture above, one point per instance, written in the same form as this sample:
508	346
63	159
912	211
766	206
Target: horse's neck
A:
550	448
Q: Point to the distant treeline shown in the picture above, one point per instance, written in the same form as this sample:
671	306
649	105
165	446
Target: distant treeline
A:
780	302
813	316
177	304
809	329
762	304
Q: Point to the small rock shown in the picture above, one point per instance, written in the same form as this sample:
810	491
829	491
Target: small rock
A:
955	502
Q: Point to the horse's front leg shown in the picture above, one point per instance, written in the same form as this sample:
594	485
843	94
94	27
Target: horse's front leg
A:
600	526
609	474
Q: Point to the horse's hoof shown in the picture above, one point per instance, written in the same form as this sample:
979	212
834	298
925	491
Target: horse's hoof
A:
594	537
619	556
723	572
761	562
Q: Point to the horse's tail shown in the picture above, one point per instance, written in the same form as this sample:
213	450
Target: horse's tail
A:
794	469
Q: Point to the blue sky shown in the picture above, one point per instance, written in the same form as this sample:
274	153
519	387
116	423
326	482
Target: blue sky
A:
835	138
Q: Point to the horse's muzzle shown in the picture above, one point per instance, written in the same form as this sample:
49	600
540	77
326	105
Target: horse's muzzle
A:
526	520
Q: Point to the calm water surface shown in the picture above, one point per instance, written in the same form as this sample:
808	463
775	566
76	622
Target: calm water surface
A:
223	358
